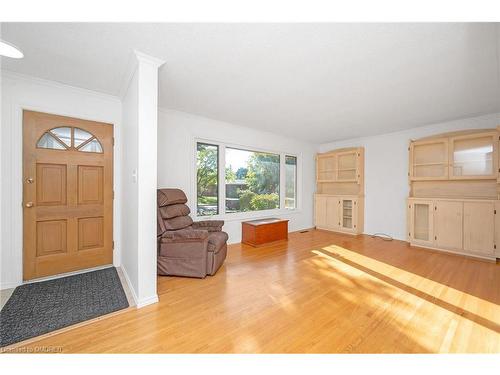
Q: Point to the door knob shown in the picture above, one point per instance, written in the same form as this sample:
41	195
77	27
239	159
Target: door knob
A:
29	204
30	180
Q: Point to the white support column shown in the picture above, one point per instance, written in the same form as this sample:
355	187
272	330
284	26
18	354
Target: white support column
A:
140	118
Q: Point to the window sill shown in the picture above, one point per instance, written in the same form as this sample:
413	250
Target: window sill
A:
250	215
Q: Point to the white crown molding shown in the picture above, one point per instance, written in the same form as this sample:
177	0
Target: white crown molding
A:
135	58
148	59
14	76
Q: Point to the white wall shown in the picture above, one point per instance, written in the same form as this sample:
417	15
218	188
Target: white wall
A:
176	134
130	190
386	171
139	118
21	92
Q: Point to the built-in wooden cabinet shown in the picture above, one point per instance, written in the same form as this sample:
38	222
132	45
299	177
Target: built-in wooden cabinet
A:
470	227
469	156
339	202
338	213
341	166
454	202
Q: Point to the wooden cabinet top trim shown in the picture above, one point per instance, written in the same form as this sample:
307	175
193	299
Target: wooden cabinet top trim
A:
454	199
340	151
339	196
460	133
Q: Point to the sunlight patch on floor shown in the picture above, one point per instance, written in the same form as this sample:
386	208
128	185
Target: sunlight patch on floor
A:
393	290
418	282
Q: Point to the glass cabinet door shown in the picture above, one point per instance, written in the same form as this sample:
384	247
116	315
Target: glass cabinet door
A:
347	166
347	214
474	156
429	160
326	170
422	222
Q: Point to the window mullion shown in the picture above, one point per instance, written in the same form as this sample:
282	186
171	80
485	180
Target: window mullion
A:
222	179
282	181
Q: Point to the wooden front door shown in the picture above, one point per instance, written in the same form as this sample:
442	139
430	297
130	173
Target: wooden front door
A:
68	194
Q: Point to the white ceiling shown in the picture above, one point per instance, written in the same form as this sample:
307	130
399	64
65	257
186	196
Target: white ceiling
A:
316	82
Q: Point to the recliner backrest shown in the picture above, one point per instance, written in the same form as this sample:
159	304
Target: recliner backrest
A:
173	213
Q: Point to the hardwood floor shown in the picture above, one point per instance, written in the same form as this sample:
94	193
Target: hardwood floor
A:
319	293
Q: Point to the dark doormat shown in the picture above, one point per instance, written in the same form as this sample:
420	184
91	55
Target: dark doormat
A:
42	307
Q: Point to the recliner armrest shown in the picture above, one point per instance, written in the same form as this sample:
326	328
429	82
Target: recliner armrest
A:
184	235
209	225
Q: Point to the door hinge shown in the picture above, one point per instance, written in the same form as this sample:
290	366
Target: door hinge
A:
113	140
435	208
495	246
113	245
409	234
435	237
495	212
113	195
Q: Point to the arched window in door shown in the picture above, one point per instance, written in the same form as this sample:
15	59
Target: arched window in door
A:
67	138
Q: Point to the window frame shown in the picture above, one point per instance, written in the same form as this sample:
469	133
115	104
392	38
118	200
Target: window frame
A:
235	216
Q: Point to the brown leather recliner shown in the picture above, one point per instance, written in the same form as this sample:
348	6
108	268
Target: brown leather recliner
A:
187	248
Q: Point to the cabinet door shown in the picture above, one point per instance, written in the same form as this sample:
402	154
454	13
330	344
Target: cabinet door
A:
429	160
479	227
320	211
421	222
347	163
347	209
497	229
332	214
448	224
326	168
474	156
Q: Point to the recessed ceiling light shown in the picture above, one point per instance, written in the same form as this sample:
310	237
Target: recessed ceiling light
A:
10	50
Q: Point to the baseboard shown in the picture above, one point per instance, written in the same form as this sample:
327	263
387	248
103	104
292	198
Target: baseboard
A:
10	285
147	301
130	287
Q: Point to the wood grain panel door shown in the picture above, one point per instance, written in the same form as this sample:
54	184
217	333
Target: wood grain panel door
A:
448	224
67	194
479	227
